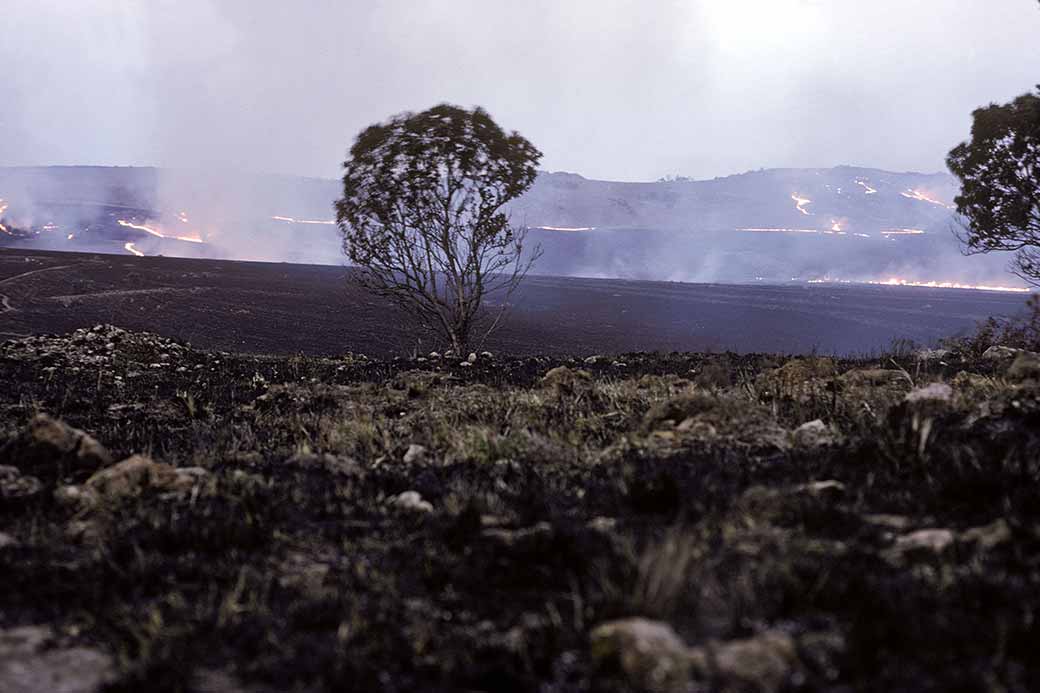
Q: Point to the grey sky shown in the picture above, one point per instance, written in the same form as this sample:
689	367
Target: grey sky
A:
615	89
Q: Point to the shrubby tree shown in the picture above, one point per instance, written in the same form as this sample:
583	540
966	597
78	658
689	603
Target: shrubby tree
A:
999	169
422	217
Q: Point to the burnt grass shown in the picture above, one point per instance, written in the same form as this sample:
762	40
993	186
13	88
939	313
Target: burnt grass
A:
667	486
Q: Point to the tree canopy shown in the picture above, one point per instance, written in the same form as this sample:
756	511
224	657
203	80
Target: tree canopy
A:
999	169
422	215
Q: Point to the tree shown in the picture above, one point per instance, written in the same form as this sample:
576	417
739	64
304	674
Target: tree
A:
422	217
999	169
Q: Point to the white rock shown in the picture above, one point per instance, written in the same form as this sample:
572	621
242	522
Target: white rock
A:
412	501
812	434
820	488
472	358
415	454
933	540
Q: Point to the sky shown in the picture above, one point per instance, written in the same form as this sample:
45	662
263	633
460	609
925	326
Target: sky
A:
611	89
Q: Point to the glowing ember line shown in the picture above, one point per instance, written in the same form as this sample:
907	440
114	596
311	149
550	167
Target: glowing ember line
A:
129	247
902	232
564	228
140	227
870	190
896	281
158	234
800	203
924	197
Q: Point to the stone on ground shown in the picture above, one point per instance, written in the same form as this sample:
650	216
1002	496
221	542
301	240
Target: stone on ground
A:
29	665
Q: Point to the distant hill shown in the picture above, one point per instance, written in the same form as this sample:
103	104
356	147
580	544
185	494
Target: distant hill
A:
843	223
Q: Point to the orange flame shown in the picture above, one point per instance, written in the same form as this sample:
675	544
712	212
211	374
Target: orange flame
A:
922	196
800	203
157	233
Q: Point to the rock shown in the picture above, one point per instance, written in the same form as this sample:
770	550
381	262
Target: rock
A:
563	379
895	522
51	449
591	360
697	428
1000	353
605	525
988	536
29	665
649	653
1026	366
533	538
472	358
7	541
412	502
932	354
416	454
761	663
936	392
15	486
434	355
137	475
923	541
678	409
74	498
813	434
830	487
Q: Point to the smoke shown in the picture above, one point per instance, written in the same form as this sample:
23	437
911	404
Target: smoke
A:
214	91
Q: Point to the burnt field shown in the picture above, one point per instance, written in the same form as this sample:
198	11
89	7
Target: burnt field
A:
173	519
309	309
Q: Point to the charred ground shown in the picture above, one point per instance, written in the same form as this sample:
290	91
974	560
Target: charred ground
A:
276	308
894	545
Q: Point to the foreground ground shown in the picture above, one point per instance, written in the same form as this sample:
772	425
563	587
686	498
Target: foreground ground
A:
435	524
289	309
